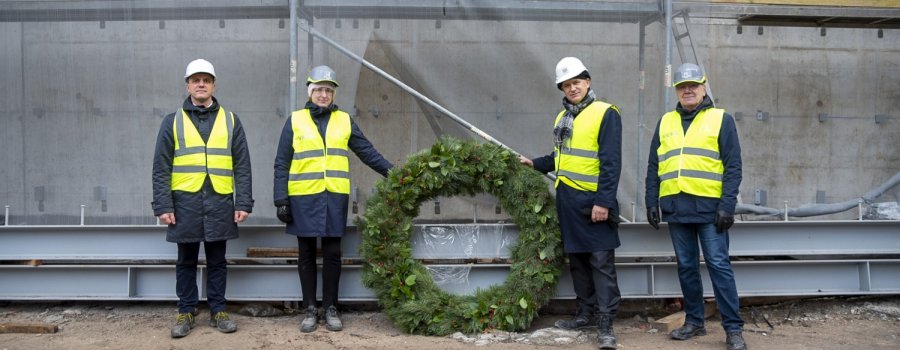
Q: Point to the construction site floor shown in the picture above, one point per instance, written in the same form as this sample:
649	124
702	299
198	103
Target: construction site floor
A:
819	323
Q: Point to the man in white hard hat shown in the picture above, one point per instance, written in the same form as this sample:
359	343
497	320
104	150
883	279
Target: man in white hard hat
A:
587	161
693	176
312	188
201	190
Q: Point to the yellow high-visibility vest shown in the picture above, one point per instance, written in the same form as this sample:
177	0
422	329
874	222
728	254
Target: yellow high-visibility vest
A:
690	162
578	166
320	165
194	159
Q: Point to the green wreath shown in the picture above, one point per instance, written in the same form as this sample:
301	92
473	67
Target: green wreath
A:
404	286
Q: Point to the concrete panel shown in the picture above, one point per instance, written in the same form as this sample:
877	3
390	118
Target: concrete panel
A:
86	101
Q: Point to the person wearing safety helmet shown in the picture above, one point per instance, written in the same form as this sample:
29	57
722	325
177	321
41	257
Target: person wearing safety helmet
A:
587	161
693	178
201	190
312	188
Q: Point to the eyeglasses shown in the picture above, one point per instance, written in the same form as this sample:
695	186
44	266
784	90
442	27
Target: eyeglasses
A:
323	90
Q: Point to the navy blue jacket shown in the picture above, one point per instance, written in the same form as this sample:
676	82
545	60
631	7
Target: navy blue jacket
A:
322	214
686	208
580	235
204	215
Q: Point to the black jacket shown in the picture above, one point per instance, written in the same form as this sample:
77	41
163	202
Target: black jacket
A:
686	208
204	215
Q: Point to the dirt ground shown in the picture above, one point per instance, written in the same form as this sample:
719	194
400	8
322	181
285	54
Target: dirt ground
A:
822	323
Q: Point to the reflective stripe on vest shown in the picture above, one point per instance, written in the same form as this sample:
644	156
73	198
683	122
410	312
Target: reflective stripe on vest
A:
316	168
578	166
690	162
194	159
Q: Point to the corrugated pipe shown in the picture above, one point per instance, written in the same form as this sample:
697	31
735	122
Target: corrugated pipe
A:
821	209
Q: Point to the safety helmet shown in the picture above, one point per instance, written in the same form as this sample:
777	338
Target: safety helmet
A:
199	66
568	68
320	74
689	73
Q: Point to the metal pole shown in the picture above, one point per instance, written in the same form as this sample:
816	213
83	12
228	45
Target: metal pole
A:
640	125
5	215
785	210
82	215
668	34
400	84
292	89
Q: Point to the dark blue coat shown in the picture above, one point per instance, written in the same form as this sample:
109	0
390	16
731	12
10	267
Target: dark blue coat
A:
687	208
322	214
579	234
205	215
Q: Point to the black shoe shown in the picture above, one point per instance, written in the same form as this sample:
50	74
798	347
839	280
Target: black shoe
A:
311	320
688	331
606	338
332	320
735	341
576	323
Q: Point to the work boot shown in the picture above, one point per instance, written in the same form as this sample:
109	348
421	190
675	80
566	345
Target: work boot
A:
311	320
221	321
606	338
735	341
688	331
580	321
332	320
183	324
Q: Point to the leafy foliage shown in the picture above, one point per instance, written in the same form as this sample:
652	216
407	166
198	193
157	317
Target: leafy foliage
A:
405	287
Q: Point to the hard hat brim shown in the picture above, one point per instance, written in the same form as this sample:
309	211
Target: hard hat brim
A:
310	81
698	81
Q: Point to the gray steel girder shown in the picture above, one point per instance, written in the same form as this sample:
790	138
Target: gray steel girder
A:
84	262
454	241
280	282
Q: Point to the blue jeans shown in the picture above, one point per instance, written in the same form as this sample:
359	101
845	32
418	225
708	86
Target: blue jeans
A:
186	276
718	264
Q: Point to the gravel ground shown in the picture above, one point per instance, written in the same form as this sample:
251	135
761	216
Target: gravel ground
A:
821	323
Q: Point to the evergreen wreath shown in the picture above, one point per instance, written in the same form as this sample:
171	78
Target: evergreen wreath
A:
404	286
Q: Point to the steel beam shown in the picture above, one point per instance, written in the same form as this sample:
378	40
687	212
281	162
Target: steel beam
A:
280	282
456	241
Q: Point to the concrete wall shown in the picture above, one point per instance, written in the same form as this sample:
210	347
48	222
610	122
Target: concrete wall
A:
81	105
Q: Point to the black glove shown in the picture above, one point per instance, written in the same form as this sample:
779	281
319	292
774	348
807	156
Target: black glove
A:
724	221
284	213
653	217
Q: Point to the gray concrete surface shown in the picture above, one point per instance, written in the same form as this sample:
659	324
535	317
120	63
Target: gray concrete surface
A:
81	105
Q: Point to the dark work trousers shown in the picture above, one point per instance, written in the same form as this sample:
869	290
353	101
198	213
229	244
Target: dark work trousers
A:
595	283
331	270
186	276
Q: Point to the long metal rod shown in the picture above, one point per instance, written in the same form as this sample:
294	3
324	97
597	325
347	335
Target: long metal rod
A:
669	73
403	86
292	89
642	31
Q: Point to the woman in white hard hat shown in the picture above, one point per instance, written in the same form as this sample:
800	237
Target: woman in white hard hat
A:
587	162
312	188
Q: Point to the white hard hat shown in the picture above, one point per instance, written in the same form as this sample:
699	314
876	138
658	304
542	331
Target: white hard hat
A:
199	66
689	73
568	68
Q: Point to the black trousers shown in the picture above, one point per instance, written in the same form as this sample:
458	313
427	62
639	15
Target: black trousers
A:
186	276
595	282
331	270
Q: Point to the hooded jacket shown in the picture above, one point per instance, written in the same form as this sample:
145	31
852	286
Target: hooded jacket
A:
204	215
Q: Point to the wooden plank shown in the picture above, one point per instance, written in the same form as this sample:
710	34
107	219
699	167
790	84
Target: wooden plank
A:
672	322
35	328
841	3
258	252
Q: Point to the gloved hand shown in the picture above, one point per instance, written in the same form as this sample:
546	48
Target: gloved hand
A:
283	212
653	217
724	220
